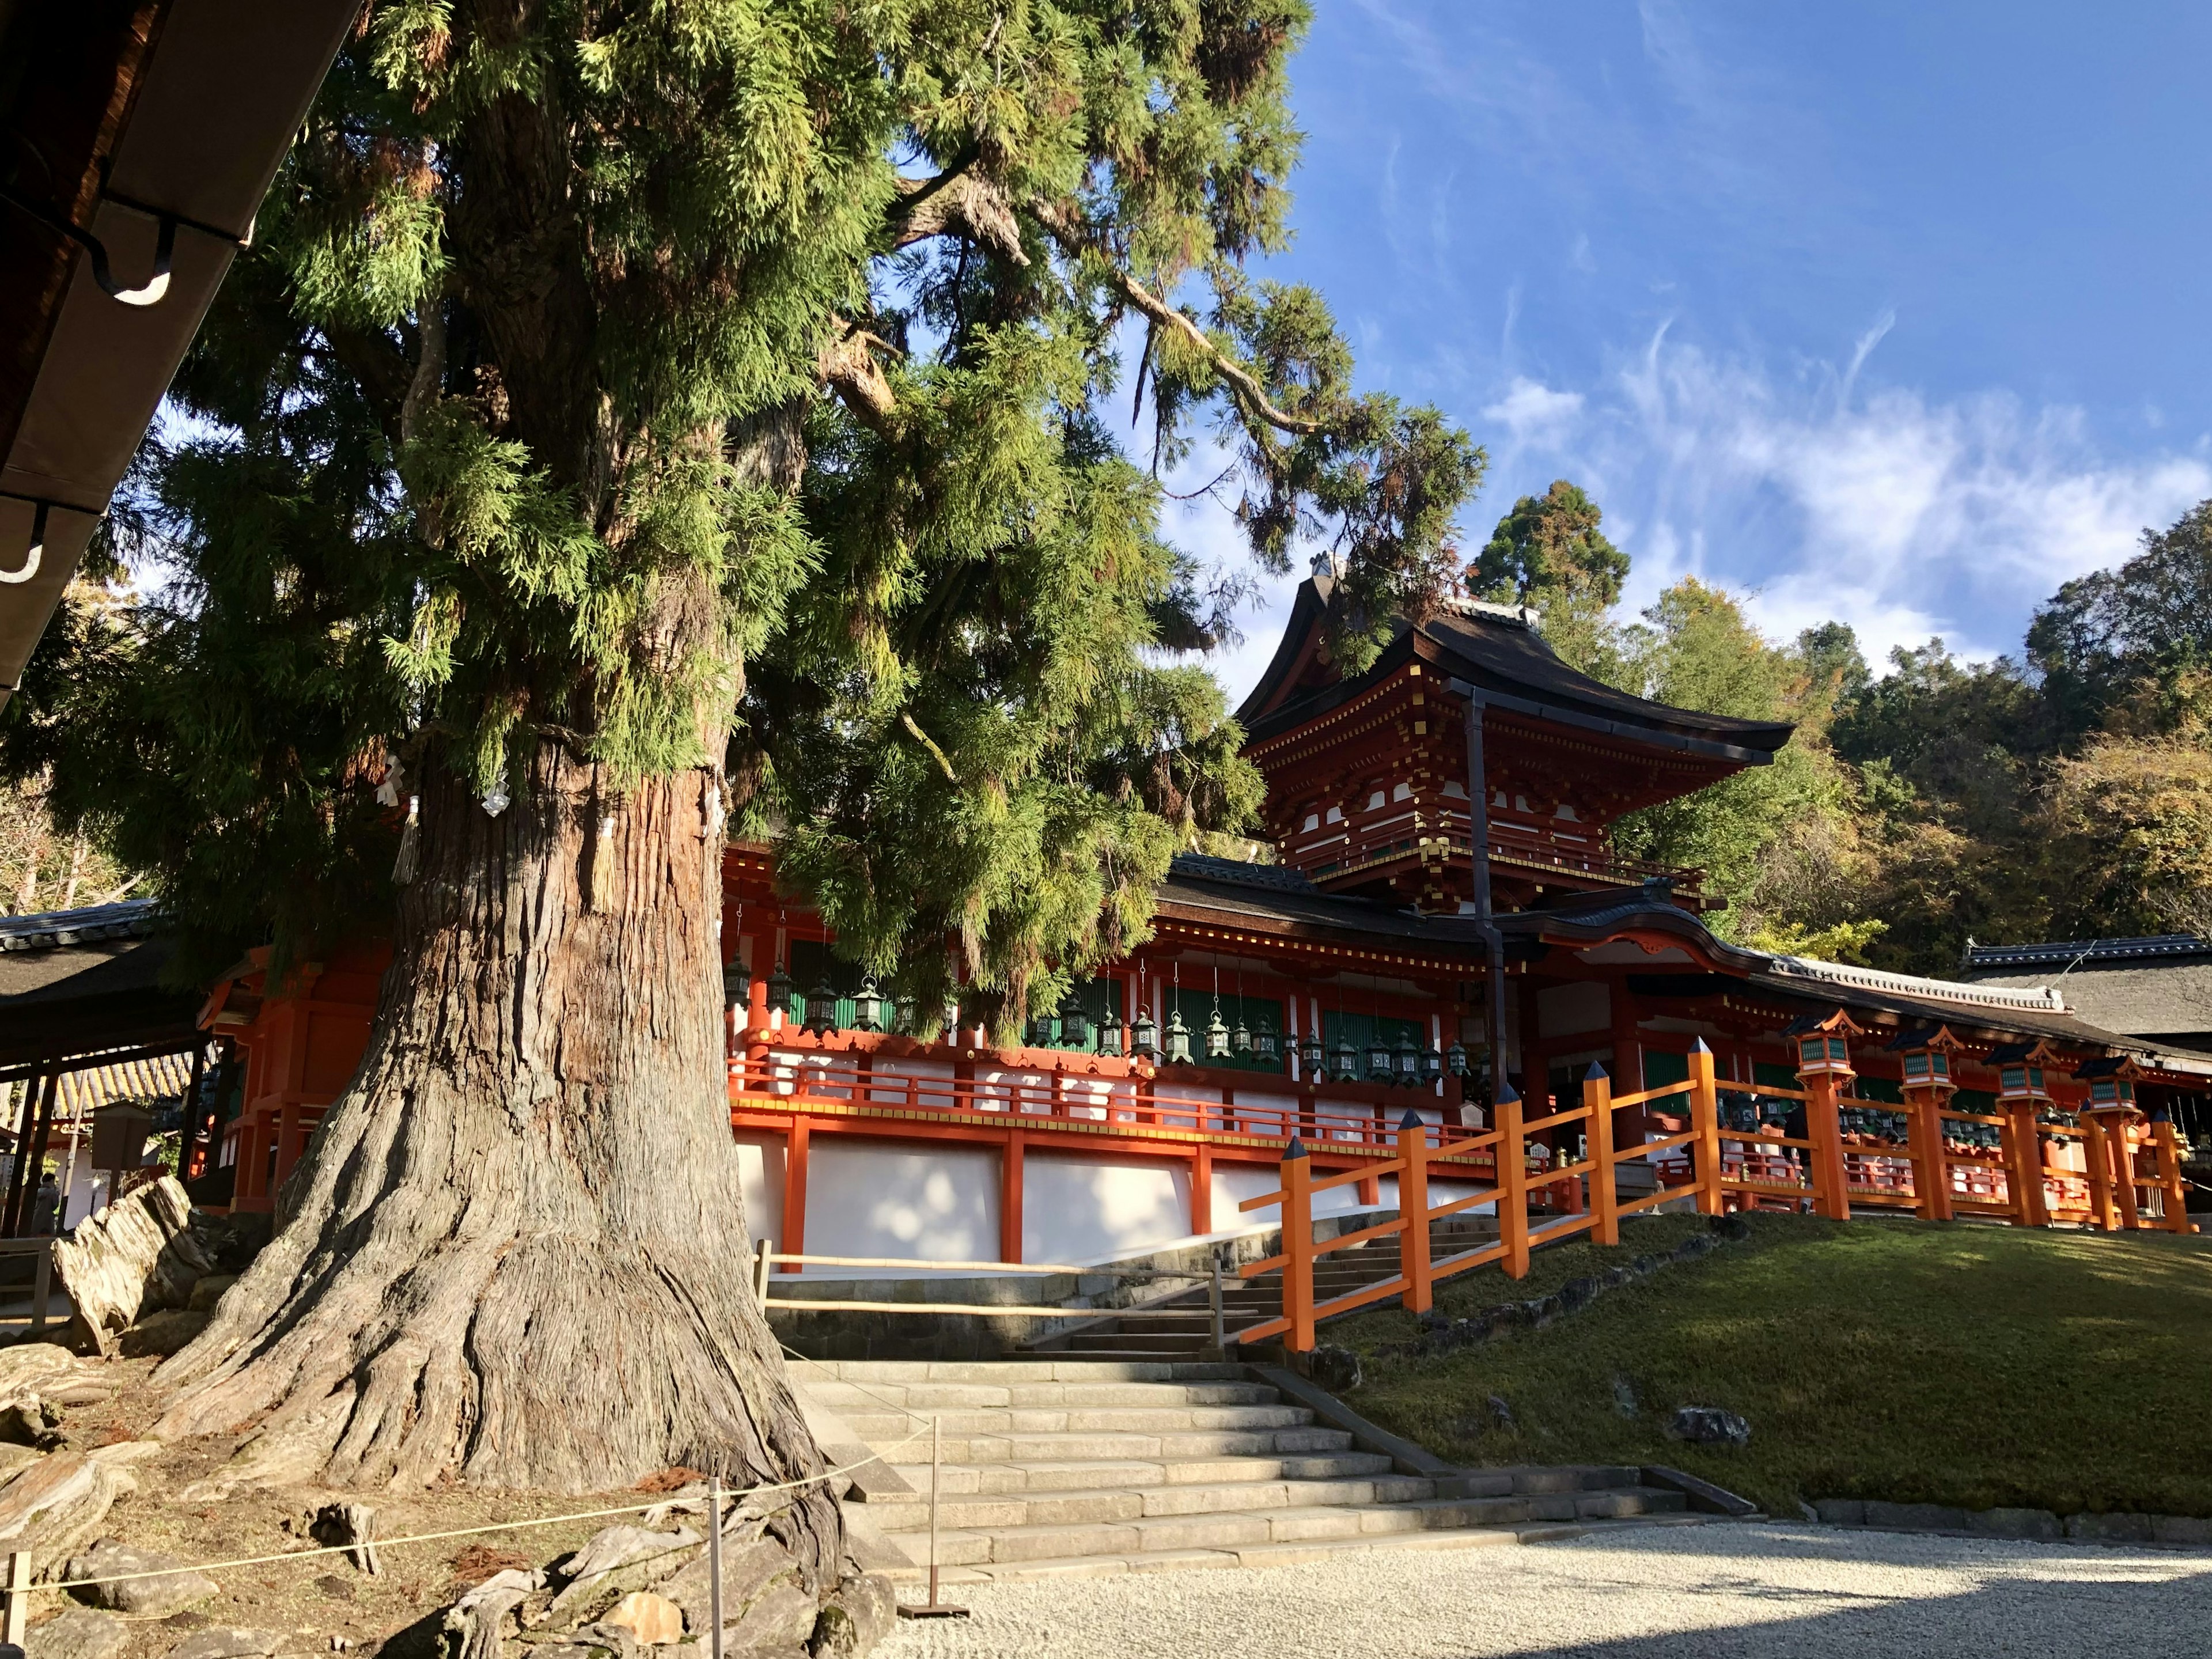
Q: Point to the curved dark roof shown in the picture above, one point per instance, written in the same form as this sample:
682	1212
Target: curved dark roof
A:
1500	653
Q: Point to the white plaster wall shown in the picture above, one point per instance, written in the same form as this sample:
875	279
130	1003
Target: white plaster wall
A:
929	1203
1278	1108
889	1085
1083	1209
1235	1183
760	1164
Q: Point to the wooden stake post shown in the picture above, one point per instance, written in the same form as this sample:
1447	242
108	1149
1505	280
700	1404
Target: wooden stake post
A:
1605	1197
1824	1127
1705	1123
19	1598
2169	1178
1931	1171
1298	1245
1512	1184
2024	1167
1413	1210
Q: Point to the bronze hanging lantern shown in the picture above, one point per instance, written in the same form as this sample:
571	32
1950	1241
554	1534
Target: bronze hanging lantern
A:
822	1009
1074	1021
1267	1048
1409	1060
779	992
1178	1039
1110	1032
1144	1037
868	1006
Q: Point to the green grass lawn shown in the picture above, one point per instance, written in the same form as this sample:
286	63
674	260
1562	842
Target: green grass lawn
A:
1919	1361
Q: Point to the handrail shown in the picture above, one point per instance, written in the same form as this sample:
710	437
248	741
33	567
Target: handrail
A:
785	1069
1726	1167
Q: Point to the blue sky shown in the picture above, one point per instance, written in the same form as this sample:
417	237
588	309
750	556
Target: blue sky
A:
1884	312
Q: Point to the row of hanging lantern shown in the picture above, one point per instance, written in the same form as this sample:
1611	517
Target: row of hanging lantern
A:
1405	1063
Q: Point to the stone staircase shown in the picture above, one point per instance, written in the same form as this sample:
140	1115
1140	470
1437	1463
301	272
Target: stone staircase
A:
1080	1466
1181	1326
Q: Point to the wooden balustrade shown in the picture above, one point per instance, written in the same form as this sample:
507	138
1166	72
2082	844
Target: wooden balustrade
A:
787	1066
1717	1167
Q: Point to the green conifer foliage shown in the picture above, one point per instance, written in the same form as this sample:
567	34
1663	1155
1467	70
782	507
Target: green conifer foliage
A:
726	380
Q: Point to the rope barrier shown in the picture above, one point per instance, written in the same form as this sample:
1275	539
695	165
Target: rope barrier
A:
458	1532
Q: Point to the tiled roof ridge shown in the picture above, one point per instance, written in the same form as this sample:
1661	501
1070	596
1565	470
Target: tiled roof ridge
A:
1205	866
47	930
2041	998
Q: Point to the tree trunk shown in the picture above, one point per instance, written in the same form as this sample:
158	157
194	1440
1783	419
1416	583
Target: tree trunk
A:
516	1251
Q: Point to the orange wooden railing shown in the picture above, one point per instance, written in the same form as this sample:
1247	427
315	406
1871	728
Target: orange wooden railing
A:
1717	1167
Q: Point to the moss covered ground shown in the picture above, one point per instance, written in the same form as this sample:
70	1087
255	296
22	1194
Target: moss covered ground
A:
1943	1363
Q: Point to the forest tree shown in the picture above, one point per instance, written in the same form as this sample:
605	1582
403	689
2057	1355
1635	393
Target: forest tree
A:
633	420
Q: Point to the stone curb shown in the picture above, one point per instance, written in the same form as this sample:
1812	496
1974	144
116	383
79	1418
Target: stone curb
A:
2162	1531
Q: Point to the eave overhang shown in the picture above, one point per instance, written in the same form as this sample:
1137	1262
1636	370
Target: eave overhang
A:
128	125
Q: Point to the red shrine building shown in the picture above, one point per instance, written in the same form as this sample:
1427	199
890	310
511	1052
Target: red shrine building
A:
1415	937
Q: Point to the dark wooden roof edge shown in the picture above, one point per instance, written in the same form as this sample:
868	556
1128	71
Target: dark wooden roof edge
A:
1510	663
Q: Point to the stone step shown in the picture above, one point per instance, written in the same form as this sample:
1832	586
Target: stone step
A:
1197	1442
1096	1475
880	1427
1304	1552
1085	1507
847	1397
1041	1368
1234	1530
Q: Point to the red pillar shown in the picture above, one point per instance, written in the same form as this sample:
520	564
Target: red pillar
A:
1010	1198
793	1242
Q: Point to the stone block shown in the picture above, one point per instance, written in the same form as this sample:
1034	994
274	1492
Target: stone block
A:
227	1642
2191	1529
2109	1529
1914	1518
173	1586
2017	1523
1841	1511
77	1633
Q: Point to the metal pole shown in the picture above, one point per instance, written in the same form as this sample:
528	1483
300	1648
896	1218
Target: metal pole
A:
1214	1305
714	1565
936	1424
1478	816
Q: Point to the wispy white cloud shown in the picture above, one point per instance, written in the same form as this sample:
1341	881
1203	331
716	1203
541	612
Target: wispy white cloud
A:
1534	414
1903	515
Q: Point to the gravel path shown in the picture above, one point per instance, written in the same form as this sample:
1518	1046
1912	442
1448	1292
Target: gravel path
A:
1756	1589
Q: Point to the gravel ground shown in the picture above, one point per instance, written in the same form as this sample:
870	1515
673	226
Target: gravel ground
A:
1749	1589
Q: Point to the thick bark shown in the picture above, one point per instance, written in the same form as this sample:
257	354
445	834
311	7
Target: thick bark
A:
516	1251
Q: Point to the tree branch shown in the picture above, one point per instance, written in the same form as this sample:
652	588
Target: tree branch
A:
848	368
957	203
1076	239
378	367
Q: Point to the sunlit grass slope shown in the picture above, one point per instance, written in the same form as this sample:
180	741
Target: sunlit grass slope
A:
1919	1361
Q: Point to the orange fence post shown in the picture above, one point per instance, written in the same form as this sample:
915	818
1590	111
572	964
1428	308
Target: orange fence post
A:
2170	1183
1824	1127
1605	1200
1931	1171
1413	1210
1705	1121
1298	1245
1512	1184
2120	1136
2024	1159
2100	1164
